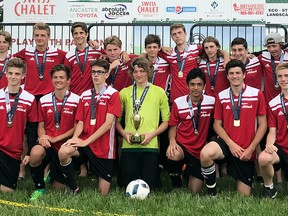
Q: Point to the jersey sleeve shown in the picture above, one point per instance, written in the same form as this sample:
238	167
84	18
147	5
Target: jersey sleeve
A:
261	105
32	112
174	118
218	113
115	105
272	119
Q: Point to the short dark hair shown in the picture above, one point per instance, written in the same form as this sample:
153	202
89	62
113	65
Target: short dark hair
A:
101	63
194	73
239	41
235	63
151	38
61	67
18	63
82	25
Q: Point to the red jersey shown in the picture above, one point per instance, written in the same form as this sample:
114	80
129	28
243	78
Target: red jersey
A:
109	102
81	80
221	81
67	120
3	79
276	118
253	73
181	117
33	84
178	84
11	139
269	89
122	78
253	104
162	76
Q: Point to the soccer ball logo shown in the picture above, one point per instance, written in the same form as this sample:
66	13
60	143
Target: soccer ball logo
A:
137	189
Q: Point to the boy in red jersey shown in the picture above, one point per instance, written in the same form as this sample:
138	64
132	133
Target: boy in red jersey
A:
79	58
98	110
190	120
5	44
17	106
56	117
275	155
240	123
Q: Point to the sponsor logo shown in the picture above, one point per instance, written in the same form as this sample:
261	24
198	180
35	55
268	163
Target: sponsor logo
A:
214	5
68	112
86	104
251	71
228	107
205	115
280	113
1	108
115	11
49	111
181	9
247	107
102	103
21	109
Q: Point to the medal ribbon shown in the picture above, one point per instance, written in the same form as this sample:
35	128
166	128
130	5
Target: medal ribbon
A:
197	121
11	112
283	106
236	109
212	80
113	77
274	67
82	65
136	107
57	115
40	68
181	63
4	67
94	102
155	70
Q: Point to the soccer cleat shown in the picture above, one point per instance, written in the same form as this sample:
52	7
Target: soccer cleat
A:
47	178
36	194
269	192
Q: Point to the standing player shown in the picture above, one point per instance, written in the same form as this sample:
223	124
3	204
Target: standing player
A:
79	59
5	44
240	111
275	155
98	110
19	106
190	120
253	75
56	117
139	159
119	77
212	65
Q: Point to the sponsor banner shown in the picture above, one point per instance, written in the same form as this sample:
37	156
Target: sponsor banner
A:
119	12
148	10
30	11
277	13
83	12
214	10
181	10
248	10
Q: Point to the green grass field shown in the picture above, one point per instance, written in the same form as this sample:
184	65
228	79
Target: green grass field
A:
166	201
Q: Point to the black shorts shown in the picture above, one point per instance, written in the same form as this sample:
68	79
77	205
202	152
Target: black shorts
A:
138	165
283	163
9	170
238	169
100	167
193	165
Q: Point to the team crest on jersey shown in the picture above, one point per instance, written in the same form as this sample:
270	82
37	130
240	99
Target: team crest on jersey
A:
228	107
21	109
205	114
50	59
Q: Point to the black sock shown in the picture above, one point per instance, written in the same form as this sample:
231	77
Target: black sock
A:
174	169
69	175
37	174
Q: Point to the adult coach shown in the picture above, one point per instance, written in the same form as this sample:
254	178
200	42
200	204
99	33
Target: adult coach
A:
240	111
19	106
190	120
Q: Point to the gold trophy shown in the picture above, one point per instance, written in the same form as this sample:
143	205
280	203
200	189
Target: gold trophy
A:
137	121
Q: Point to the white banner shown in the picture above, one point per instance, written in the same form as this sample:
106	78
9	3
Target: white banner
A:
214	10
31	11
84	12
248	10
181	10
277	13
148	10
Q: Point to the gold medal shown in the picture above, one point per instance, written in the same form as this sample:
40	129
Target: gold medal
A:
236	123
57	126
180	74
92	121
9	124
